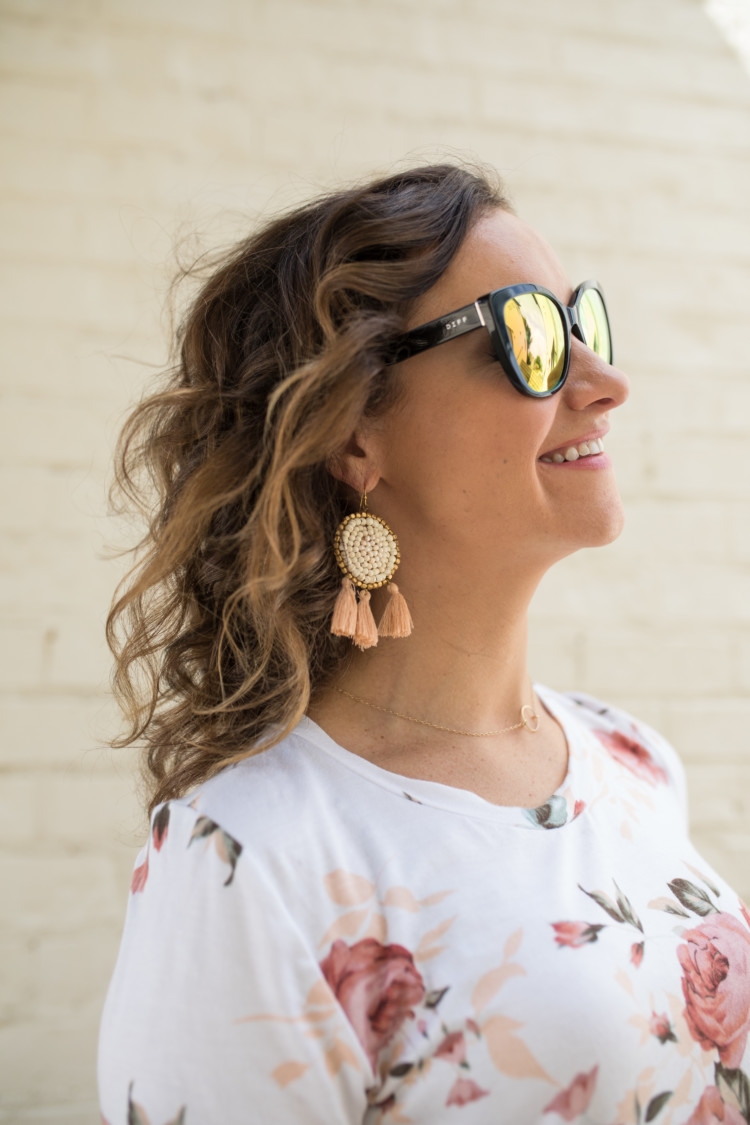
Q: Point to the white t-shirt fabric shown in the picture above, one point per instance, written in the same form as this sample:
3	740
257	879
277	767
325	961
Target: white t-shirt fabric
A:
312	939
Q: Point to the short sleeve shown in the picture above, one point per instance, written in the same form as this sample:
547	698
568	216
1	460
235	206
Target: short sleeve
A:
218	1010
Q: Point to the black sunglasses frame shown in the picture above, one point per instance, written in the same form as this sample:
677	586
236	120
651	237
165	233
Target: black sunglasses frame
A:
487	312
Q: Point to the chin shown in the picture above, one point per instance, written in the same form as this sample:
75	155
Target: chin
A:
604	526
593	526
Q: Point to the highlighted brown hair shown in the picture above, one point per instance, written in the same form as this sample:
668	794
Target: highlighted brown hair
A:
221	630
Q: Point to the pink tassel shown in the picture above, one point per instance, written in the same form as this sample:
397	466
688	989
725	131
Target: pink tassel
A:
344	620
396	620
366	633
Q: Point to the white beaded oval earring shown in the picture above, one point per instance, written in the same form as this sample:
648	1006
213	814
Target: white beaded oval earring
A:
367	552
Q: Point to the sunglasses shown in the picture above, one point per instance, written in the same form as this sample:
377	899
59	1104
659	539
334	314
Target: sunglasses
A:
529	329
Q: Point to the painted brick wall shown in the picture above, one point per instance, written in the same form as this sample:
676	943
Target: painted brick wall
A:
126	126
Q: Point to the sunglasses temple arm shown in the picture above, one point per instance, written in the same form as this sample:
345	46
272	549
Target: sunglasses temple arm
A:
439	331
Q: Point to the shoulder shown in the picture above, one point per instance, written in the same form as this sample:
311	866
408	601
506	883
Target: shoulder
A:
217	961
226	853
237	843
270	804
636	746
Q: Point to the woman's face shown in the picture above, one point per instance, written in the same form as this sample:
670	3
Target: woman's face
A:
461	458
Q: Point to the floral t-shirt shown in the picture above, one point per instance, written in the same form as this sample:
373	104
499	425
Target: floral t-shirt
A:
313	939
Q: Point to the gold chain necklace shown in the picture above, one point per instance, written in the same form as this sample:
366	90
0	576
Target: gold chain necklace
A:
529	718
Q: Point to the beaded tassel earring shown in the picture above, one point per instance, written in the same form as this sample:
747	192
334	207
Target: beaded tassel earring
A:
367	552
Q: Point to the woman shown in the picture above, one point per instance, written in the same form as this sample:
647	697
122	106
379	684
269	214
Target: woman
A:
388	879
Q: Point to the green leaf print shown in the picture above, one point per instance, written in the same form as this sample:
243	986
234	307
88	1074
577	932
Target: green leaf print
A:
161	827
226	846
620	912
656	1105
734	1087
230	850
203	827
677	911
553	814
138	1116
605	902
692	897
628	914
433	998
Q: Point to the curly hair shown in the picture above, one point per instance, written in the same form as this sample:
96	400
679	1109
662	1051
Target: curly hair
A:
220	630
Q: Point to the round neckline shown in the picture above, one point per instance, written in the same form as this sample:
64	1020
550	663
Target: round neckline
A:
464	802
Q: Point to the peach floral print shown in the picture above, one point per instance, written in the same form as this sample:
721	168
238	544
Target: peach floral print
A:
465	1090
575	1099
453	1048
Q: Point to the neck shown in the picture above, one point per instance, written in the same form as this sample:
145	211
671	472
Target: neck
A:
464	664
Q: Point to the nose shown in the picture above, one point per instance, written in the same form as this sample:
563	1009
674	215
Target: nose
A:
593	382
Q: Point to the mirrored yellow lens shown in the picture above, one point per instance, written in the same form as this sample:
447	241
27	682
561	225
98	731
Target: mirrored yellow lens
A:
594	324
537	338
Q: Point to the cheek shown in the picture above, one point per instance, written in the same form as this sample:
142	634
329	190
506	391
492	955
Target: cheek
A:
460	452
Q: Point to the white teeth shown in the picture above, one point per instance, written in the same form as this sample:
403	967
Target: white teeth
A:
574	452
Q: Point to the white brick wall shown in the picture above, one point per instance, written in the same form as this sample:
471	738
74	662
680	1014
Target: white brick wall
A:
622	127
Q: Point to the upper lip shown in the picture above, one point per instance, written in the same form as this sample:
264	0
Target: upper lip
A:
574	442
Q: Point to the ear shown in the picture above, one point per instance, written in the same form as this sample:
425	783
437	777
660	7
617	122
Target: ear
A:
356	463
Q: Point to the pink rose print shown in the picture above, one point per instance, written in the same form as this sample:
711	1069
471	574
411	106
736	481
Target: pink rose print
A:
575	934
636	953
465	1090
633	755
453	1048
140	875
661	1028
716	985
711	1110
376	986
575	1100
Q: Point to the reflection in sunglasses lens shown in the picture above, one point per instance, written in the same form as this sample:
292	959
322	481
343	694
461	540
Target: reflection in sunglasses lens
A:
594	324
537	337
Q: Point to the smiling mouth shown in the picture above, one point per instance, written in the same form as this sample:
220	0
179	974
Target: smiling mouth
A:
574	452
